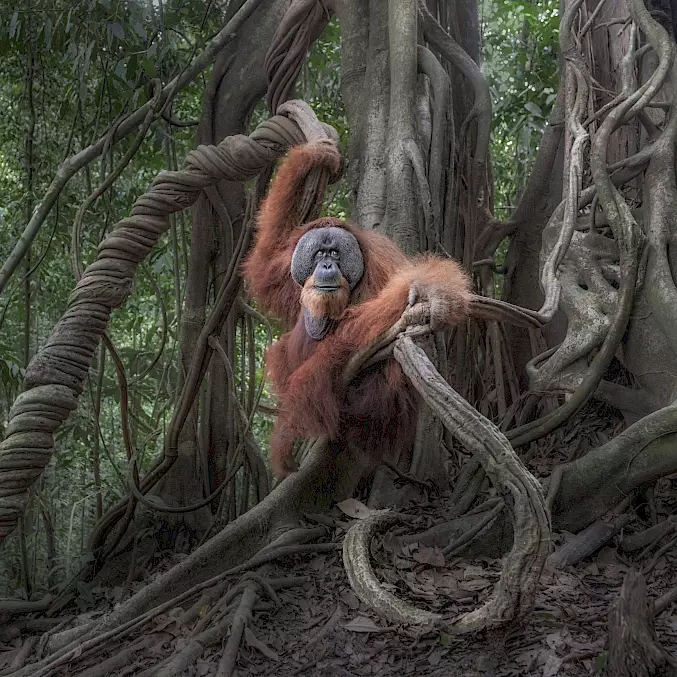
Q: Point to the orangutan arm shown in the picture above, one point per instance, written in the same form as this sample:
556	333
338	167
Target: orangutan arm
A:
268	267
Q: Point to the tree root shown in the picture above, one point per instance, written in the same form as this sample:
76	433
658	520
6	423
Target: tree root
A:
22	656
595	483
242	617
483	525
659	553
633	649
664	601
363	581
649	537
588	541
515	592
123	657
241	546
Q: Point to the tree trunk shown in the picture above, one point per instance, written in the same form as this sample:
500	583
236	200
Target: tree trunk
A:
238	81
633	649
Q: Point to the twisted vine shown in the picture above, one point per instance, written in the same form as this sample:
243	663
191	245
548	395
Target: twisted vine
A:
56	375
515	592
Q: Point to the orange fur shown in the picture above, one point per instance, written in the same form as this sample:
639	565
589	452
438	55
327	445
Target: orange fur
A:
378	410
323	303
267	267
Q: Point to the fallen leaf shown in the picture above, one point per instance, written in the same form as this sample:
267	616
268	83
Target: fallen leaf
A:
318	563
433	556
592	569
552	666
350	599
475	584
436	656
418	591
408	549
355	509
473	571
446	582
606	557
555	640
361	624
401	563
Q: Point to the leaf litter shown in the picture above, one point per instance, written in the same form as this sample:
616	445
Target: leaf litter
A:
322	628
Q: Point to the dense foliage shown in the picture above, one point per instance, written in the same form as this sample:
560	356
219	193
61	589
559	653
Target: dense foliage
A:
74	70
520	61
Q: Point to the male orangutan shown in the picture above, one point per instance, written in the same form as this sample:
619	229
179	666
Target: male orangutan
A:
339	287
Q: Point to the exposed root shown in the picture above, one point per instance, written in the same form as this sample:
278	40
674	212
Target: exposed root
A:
588	541
481	527
515	592
664	601
240	620
633	649
357	562
124	657
649	537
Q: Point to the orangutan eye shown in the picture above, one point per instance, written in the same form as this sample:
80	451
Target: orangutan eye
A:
334	254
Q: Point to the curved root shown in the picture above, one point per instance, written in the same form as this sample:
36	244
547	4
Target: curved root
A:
514	594
363	581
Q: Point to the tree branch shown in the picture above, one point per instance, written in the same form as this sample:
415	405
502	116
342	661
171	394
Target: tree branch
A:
72	165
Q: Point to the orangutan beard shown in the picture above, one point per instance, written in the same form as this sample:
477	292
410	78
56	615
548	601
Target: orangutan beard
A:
327	304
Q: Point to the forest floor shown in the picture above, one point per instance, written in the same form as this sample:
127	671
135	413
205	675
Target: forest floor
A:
317	626
320	628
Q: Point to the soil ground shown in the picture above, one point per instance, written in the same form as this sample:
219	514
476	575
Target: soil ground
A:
319	627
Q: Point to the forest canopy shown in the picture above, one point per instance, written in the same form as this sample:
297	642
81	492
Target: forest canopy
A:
533	142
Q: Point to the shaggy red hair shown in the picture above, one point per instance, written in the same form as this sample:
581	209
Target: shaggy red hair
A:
378	410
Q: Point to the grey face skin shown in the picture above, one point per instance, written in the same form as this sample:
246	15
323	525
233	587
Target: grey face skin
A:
326	254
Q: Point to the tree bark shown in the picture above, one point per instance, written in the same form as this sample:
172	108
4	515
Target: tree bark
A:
633	649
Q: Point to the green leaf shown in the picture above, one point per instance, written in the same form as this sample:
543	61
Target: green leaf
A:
48	32
64	108
159	265
117	30
132	65
88	56
140	30
533	109
13	23
149	67
120	70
